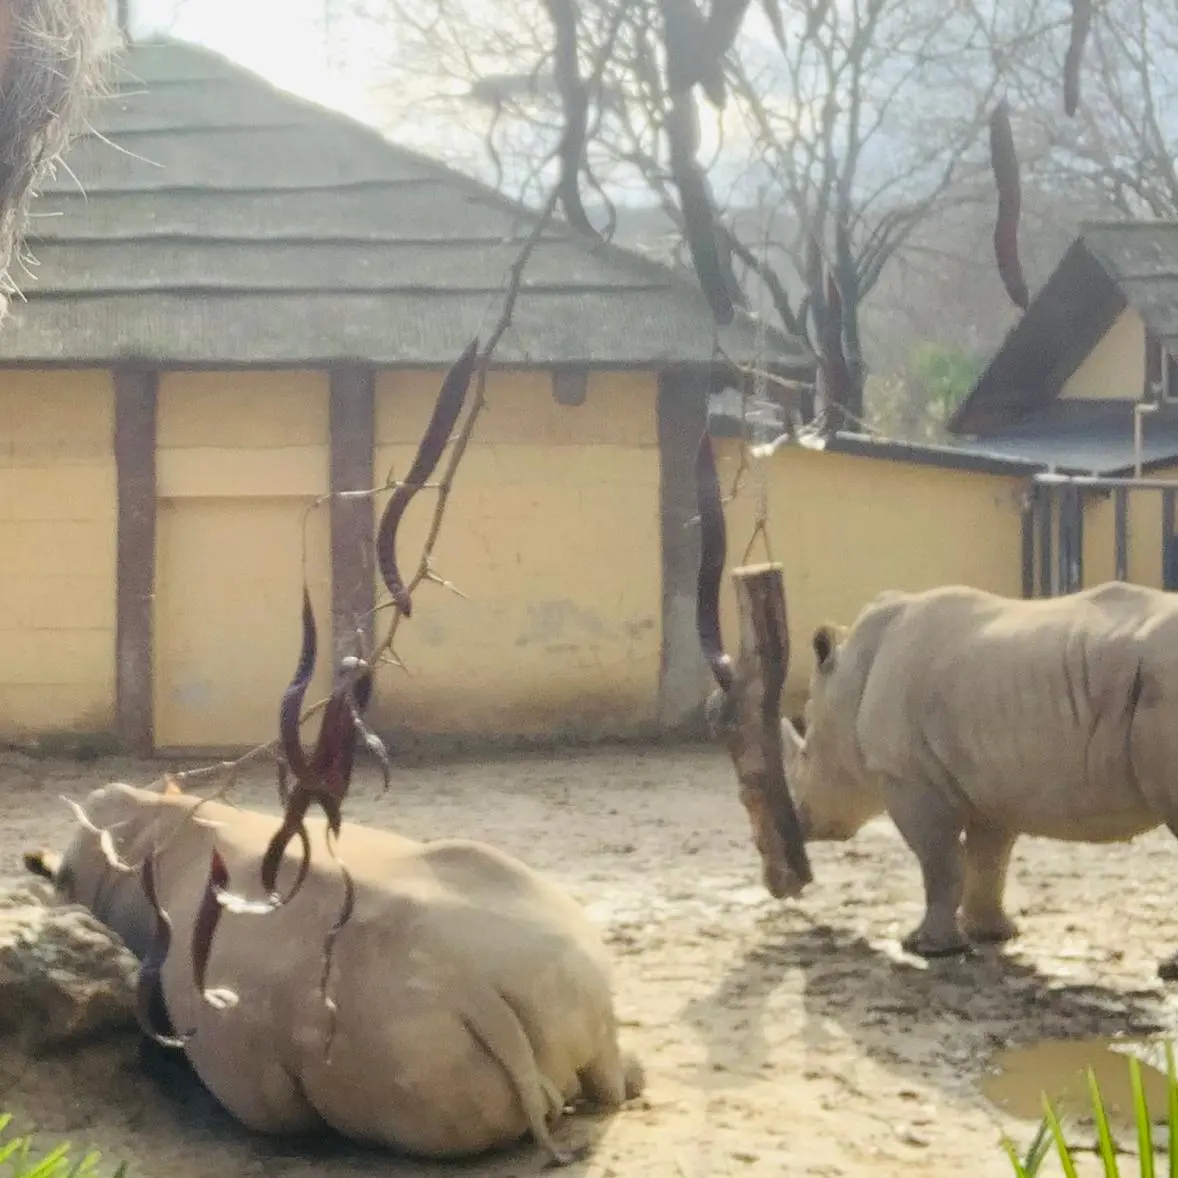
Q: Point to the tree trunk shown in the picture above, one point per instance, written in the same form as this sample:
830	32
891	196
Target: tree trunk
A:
856	366
852	342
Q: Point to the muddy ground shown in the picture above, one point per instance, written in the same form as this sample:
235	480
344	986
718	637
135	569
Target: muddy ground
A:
779	1038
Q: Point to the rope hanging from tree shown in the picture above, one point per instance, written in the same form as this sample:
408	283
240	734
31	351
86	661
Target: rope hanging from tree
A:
760	395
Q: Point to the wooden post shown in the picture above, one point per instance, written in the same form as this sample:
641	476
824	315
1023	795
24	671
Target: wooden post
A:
752	729
353	578
134	444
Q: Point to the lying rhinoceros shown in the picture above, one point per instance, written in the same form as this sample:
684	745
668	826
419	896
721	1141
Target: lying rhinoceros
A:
961	713
472	997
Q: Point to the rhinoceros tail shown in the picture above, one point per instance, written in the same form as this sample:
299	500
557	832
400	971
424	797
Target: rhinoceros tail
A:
491	1020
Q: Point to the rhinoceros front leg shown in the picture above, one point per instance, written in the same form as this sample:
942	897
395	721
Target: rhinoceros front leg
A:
987	860
933	833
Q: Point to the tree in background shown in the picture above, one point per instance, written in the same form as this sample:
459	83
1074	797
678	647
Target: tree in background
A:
823	146
842	145
1118	152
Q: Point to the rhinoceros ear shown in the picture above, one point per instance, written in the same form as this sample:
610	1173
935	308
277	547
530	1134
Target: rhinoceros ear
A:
42	863
825	643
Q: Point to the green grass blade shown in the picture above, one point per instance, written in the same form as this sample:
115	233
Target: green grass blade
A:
1061	1146
1141	1116
1107	1153
1038	1150
1016	1164
25	1144
85	1165
49	1164
1172	1119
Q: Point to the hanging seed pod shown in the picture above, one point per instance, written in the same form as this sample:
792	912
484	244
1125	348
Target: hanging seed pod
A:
1004	161
446	410
1080	26
150	1008
713	551
208	916
291	707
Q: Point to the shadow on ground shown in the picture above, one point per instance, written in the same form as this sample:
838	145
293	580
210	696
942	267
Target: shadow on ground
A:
199	1118
907	1015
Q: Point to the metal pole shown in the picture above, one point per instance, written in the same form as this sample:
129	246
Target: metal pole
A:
1121	516
1168	579
1044	509
1028	538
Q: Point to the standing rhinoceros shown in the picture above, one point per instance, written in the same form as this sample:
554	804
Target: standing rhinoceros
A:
972	719
472	997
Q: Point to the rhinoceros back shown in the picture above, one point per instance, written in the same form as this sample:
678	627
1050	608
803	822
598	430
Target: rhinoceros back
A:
1026	711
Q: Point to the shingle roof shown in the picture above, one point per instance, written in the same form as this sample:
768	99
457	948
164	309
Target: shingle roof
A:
1109	266
1084	437
222	221
1141	257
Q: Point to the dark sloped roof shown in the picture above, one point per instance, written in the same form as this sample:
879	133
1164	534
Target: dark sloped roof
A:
213	219
1084	437
1069	437
1109	266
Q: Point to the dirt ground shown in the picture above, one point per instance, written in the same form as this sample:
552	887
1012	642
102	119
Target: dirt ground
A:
778	1038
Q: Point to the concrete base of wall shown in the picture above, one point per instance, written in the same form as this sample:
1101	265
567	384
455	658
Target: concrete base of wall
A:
408	748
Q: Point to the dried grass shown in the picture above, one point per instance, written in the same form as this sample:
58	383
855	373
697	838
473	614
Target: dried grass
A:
55	67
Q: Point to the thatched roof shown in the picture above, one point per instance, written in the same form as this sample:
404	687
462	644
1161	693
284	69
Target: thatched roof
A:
1110	266
222	221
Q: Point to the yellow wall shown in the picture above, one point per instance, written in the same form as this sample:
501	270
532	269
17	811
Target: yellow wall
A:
241	459
846	527
57	534
1115	368
553	534
1144	539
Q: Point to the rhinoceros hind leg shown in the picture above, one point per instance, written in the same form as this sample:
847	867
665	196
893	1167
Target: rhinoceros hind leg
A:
635	1073
933	834
613	1078
492	1021
987	859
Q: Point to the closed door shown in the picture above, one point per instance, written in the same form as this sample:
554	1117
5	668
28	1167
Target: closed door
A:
229	581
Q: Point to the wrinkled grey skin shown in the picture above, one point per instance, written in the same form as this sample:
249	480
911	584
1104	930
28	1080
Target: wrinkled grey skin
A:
52	59
972	719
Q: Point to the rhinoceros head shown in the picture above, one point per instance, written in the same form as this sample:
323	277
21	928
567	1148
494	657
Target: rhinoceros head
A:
832	796
109	823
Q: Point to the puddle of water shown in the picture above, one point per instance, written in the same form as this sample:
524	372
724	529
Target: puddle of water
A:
1018	1077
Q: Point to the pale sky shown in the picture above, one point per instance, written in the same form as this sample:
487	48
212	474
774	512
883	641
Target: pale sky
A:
280	39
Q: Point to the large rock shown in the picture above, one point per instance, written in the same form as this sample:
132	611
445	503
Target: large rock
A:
63	976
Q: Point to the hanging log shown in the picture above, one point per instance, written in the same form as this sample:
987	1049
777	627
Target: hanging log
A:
752	729
744	711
